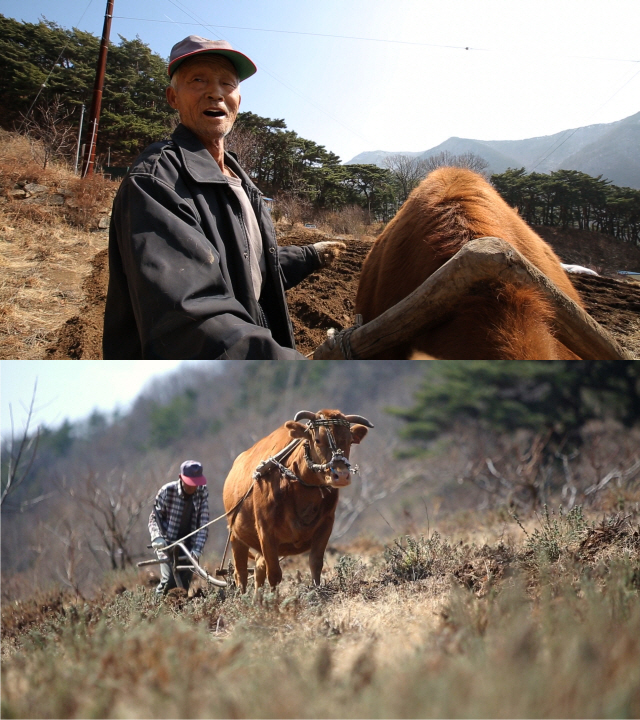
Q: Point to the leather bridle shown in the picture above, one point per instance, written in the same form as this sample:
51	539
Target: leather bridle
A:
337	454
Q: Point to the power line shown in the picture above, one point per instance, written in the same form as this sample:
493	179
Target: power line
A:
300	32
363	39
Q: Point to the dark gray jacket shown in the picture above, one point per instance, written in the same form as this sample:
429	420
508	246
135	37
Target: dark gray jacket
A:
179	273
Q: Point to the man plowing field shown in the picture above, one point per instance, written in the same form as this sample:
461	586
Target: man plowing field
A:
180	508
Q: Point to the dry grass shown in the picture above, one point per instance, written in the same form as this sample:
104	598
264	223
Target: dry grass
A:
493	631
42	266
45	250
350	220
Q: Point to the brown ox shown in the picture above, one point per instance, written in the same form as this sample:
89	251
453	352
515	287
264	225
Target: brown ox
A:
290	512
496	321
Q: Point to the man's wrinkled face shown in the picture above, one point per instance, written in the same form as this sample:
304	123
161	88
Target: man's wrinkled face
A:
206	92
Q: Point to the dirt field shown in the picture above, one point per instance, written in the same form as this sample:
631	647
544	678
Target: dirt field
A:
326	299
54	269
431	626
80	338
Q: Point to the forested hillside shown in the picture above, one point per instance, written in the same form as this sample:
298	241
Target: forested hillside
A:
449	437
135	113
571	199
47	72
134	109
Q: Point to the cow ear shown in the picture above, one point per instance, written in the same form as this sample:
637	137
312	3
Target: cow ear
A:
358	433
296	429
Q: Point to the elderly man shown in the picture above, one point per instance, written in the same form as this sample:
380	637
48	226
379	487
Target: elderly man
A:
194	268
180	508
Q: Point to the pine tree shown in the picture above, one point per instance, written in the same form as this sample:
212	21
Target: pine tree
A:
558	397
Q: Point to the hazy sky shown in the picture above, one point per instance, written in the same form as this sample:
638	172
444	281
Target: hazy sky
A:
400	77
72	389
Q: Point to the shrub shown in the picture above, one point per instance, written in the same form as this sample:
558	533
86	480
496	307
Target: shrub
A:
418	558
350	220
350	574
556	533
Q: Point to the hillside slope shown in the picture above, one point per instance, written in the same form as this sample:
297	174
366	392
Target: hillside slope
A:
615	156
52	224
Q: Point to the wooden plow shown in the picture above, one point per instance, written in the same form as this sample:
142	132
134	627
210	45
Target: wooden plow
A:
481	260
184	561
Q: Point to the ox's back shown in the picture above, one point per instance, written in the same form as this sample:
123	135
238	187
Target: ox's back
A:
240	476
448	209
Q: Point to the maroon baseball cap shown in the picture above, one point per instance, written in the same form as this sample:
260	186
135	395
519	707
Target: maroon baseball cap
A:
191	473
196	45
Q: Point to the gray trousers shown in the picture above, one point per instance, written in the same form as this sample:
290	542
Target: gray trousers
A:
167	581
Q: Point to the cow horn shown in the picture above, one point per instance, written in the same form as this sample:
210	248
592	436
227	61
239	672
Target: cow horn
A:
359	419
304	415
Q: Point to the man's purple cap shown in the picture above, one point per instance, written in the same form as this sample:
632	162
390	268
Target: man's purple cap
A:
191	473
196	45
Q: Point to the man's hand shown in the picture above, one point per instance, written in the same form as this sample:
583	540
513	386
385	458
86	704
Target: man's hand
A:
328	251
196	556
158	543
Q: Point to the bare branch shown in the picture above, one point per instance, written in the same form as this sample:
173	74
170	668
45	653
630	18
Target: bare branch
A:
26	449
407	172
114	507
447	159
50	131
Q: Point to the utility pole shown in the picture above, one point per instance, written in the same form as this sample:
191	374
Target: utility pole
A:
96	102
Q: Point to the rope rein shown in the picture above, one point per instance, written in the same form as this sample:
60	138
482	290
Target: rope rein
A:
343	339
224	515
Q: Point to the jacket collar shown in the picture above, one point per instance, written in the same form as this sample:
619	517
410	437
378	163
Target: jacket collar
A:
198	161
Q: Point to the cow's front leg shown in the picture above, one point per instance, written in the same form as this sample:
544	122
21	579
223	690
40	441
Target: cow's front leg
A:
261	571
318	546
240	560
270	557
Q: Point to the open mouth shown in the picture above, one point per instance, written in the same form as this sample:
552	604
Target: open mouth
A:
214	113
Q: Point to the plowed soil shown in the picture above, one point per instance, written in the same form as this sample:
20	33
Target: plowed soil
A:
80	338
326	299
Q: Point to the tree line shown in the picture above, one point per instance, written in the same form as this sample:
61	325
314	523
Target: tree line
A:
47	74
57	66
572	199
532	432
299	170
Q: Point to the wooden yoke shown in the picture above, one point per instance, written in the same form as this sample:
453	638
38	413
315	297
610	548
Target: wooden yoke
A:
481	260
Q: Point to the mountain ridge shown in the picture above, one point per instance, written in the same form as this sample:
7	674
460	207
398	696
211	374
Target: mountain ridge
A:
605	149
